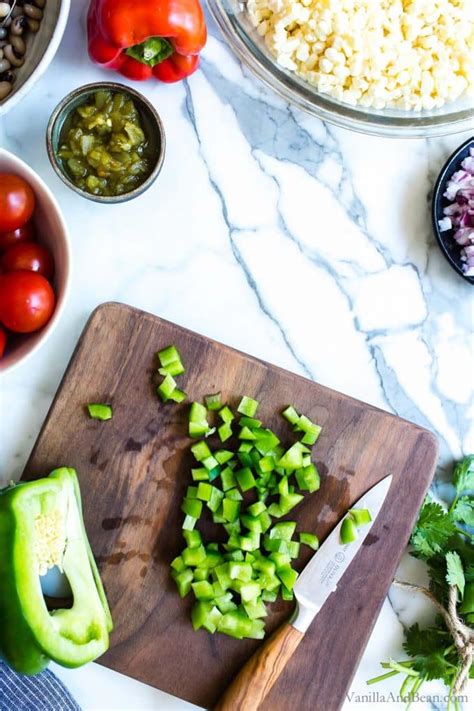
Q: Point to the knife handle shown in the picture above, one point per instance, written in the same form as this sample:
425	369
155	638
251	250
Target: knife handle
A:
255	680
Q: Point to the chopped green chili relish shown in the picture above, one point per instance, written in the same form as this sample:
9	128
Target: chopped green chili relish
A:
242	487
103	147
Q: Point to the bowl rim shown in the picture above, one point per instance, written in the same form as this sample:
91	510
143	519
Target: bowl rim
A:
337	114
64	106
48	55
447	169
66	271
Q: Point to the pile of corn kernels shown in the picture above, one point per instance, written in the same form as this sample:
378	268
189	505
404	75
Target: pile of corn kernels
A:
408	54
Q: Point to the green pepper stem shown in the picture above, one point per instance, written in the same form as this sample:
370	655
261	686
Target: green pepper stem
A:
152	51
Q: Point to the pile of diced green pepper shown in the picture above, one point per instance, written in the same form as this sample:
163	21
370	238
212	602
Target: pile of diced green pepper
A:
233	581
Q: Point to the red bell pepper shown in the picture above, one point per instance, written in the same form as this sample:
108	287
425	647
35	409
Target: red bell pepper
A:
145	38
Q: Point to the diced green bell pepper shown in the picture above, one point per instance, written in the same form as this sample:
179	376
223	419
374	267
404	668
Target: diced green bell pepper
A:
205	614
247	434
361	516
201	451
249	591
245	479
189	523
200	474
97	411
293	457
204	491
250	422
240	571
223	456
348	530
288	576
192	507
228	479
310	539
225	431
183	581
255	608
213	402
284	530
178	564
230	509
248	406
169	355
193	556
290	415
203	590
308	478
225	603
193	539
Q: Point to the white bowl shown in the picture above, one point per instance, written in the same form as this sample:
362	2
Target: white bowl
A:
52	233
40	50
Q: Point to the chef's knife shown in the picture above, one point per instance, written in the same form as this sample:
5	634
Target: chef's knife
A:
315	584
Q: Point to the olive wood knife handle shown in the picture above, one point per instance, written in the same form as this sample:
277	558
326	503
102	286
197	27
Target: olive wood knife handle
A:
255	680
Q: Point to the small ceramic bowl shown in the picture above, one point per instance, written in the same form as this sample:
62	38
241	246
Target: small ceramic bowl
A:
40	50
151	124
449	246
52	233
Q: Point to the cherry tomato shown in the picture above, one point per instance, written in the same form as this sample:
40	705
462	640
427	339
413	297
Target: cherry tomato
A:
28	257
17	202
25	233
26	301
3	341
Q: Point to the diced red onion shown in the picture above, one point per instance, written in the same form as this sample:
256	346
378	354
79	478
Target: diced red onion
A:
459	215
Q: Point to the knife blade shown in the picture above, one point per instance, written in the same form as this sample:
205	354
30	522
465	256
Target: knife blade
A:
327	566
315	584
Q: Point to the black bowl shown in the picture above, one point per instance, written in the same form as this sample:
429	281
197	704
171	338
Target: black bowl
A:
449	246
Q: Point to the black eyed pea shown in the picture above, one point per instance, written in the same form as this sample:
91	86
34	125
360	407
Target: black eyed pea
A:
5	89
33	25
17	10
18	44
15	59
8	76
4	65
18	25
32	11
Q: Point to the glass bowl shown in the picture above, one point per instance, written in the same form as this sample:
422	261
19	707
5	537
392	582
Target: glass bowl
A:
250	48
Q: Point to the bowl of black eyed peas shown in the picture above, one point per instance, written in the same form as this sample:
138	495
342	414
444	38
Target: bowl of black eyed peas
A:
30	33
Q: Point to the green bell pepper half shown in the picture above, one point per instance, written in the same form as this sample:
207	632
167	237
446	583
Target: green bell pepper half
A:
41	527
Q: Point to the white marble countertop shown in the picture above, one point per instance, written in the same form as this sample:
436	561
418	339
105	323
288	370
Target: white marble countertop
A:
302	244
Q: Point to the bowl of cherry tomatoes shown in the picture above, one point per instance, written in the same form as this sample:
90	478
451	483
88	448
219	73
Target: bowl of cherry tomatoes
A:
34	261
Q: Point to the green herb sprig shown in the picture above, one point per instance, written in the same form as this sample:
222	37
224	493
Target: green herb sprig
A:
443	539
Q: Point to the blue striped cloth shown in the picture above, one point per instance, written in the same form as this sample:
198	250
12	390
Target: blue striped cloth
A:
43	692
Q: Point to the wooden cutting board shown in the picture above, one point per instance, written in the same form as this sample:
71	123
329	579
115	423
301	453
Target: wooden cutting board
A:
134	470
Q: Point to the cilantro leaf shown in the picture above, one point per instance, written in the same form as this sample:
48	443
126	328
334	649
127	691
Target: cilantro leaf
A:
464	510
433	530
421	643
463	475
434	666
469	573
455	572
